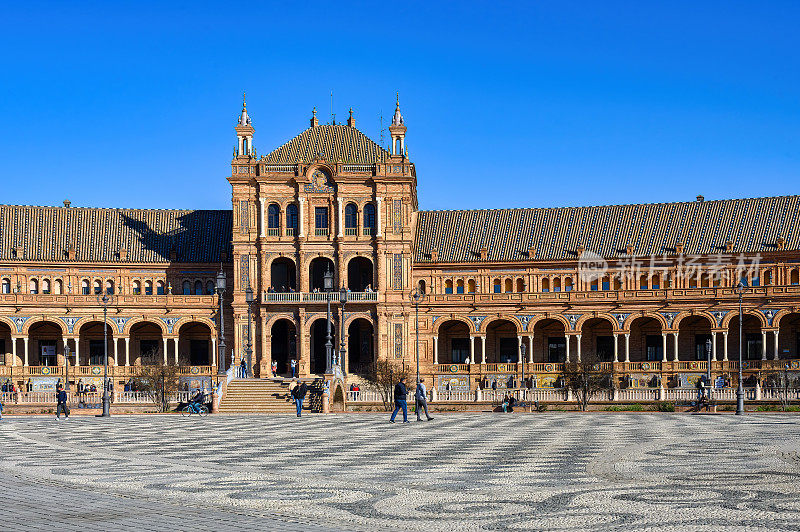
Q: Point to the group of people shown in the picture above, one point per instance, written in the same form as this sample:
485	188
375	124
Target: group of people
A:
400	400
282	289
298	392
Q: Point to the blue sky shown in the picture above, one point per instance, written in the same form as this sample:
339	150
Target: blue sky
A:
508	104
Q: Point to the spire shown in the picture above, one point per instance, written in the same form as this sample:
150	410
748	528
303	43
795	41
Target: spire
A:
351	121
244	100
398	117
244	120
244	133
314	121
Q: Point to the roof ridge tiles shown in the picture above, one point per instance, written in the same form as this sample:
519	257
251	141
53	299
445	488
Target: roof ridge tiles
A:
73	207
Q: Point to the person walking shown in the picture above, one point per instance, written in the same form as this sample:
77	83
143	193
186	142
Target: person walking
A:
61	405
243	369
299	393
420	395
293	365
400	394
274	368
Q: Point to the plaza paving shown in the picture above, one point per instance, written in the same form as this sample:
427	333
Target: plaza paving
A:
559	471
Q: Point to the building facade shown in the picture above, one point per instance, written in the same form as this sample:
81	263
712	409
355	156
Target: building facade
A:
647	292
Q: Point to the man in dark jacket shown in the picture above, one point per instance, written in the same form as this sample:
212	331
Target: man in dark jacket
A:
299	393
61	397
400	400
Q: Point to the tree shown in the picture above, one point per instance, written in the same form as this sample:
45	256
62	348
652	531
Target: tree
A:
781	382
587	377
382	375
158	379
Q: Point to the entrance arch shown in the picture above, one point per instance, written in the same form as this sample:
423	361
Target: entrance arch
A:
646	341
789	336
283	275
283	346
502	344
91	340
360	354
454	342
319	333
752	340
597	340
359	274
6	349
694	332
146	344
316	272
194	343
45	344
549	341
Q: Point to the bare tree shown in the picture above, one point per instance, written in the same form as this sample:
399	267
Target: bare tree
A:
382	375
781	382
587	377
160	380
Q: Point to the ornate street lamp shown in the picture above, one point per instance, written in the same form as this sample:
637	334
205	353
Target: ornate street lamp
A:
523	348
105	300
327	287
709	347
66	364
740	288
221	285
417	296
342	352
250	298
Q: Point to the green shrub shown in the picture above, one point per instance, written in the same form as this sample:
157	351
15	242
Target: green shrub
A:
665	406
777	408
635	407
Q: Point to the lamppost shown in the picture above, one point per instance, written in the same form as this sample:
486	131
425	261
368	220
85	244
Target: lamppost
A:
416	296
104	300
66	364
327	287
523	348
250	298
221	285
740	288
342	352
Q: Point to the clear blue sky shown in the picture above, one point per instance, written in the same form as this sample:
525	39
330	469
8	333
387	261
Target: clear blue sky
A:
508	104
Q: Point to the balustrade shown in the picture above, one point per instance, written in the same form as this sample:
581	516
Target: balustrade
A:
318	297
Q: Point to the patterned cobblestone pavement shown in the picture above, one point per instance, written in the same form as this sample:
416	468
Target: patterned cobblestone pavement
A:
555	471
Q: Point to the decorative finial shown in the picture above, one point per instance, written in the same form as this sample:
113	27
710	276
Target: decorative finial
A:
244	100
398	99
314	112
351	112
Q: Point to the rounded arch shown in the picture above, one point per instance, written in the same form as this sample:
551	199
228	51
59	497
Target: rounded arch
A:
489	321
586	317
502	340
683	315
281	316
645	338
282	274
351	216
283	343
453	338
733	314
43	319
136	321
776	320
208	322
557	317
316	267
359	316
654	315
360	274
441	321
317	340
360	342
273	216
94	319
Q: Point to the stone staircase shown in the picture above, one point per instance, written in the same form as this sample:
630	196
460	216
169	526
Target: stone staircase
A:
258	396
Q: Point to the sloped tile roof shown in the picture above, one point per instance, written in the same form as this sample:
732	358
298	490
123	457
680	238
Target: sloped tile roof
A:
753	225
148	235
334	142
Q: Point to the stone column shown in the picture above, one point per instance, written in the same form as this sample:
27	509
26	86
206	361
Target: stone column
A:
301	225
713	346
663	347
176	350
616	347
578	337
340	220
530	348
763	345
25	342
627	347
213	352
472	349
165	351
675	337
261	225
379	216
13	351
116	350
483	350
127	351
435	349
775	353
725	346
77	351
567	338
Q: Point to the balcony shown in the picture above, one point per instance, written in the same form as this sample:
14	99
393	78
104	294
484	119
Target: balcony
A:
318	297
120	300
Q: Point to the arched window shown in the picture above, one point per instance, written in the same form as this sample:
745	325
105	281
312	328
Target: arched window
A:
556	284
273	219
704	280
109	287
85	287
656	282
593	285
198	288
160	288
767	277
471	286
755	280
34	286
6	286
606	283
148	288
58	287
45	286
693	281
643	282
210	287
460	286
369	219
291	219
509	286
520	285
98	287
568	284
545	285
617	283
187	288
137	288
422	287
794	277
351	219
448	286
497	287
